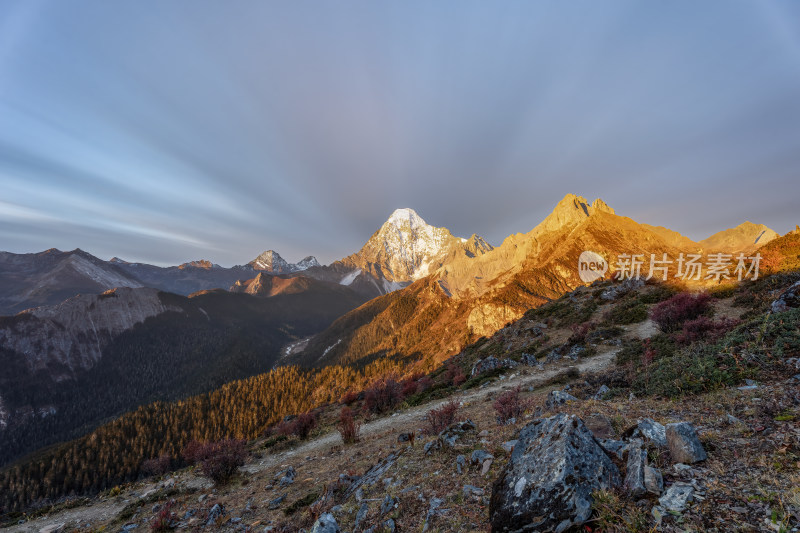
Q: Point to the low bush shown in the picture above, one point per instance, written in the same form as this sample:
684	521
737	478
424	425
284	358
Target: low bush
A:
218	460
157	466
438	419
626	312
349	428
704	328
349	397
455	375
164	519
510	405
670	314
300	426
382	395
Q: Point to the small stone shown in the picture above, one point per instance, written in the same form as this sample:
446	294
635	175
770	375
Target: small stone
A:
556	398
479	456
653	432
634	473
733	420
388	504
404	437
360	515
432	445
508	446
653	480
460	460
658	514
274	504
484	433
202	498
326	523
677	497
617	447
487	464
390	525
470	491
214	514
601	392
684	446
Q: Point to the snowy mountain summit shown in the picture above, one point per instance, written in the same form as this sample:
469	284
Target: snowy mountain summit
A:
407	248
272	262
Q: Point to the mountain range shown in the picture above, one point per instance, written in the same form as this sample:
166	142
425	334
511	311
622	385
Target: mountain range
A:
413	292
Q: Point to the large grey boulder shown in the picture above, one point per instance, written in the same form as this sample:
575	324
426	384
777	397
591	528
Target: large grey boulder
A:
684	446
547	483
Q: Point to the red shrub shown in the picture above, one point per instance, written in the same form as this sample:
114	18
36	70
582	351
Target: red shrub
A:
163	521
670	314
349	428
510	405
424	383
300	426
218	460
157	466
409	387
455	374
382	395
704	328
438	419
349	397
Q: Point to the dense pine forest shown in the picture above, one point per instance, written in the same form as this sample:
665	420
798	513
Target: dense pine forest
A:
114	453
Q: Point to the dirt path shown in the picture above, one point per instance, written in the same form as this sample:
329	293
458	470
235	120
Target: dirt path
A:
409	418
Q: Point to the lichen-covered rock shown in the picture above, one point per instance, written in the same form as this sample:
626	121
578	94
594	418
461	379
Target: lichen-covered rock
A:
651	431
676	497
601	392
653	480
455	431
491	363
684	446
326	523
789	299
557	397
530	360
634	470
548	482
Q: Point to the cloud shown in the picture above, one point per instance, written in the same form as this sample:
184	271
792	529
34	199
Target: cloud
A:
172	131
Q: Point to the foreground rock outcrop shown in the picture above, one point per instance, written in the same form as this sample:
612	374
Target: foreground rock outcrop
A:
548	482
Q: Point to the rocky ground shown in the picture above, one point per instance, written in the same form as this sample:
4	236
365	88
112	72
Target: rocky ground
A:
583	456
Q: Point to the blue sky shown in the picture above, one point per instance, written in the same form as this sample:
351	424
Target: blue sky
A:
170	131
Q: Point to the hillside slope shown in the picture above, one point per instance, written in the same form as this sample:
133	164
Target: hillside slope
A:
192	345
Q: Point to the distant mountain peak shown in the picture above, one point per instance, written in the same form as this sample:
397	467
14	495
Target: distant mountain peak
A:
747	236
571	210
201	263
272	262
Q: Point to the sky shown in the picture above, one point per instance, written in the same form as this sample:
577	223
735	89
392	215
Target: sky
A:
171	131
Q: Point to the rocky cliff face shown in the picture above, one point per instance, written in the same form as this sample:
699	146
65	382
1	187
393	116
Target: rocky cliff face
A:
70	336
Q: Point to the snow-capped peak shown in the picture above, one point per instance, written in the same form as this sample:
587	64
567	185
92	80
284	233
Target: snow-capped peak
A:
403	216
